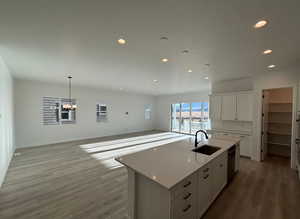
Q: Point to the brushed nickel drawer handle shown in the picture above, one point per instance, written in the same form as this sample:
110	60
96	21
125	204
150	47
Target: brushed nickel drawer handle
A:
206	176
188	183
205	170
187	196
187	208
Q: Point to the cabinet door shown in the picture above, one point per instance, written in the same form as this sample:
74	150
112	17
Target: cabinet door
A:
299	97
219	173
245	146
215	107
244	107
204	189
229	107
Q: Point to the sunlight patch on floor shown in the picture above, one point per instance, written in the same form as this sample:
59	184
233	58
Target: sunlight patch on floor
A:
112	142
107	151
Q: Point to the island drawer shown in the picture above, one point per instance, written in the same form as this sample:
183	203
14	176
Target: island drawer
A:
185	187
186	211
205	171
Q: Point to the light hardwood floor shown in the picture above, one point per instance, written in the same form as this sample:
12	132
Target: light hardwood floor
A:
61	181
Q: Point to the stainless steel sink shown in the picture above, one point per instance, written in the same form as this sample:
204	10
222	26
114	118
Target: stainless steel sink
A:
206	149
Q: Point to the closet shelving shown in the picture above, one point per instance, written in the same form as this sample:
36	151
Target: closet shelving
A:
279	130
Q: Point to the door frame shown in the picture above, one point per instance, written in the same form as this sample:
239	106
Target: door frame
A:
294	124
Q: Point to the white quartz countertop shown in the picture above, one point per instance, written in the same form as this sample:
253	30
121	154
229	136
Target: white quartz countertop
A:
171	163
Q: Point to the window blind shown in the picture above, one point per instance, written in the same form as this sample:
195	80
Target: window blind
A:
50	110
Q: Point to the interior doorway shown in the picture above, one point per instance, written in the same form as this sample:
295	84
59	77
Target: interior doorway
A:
277	120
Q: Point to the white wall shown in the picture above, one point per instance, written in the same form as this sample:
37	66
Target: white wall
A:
6	119
163	106
274	79
31	132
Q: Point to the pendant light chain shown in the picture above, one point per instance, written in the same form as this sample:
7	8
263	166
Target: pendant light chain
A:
70	90
70	105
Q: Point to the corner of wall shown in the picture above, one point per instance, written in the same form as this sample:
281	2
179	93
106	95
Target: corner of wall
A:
7	135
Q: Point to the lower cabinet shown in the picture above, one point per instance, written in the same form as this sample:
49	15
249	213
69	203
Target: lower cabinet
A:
184	199
245	143
219	174
205	188
245	146
212	178
189	199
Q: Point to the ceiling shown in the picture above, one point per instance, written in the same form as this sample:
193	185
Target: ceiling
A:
47	40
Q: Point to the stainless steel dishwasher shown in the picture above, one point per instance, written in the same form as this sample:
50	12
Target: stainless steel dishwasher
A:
231	163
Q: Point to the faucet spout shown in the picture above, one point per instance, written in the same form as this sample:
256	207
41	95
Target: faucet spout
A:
196	140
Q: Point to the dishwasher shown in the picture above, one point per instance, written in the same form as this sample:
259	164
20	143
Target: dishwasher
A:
231	163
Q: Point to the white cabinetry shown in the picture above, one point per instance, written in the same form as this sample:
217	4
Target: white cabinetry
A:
205	188
215	107
232	106
246	142
212	178
298	99
244	107
184	198
229	107
245	146
219	174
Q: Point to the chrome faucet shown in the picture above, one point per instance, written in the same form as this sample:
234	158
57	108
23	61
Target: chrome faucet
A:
196	140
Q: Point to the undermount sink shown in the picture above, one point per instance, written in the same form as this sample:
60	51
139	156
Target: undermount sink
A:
206	149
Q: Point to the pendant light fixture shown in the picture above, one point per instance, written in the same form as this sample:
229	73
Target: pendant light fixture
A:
70	105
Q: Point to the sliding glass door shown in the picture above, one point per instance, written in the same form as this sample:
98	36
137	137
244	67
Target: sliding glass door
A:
175	117
187	118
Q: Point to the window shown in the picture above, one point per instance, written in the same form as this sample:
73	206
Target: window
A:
54	114
148	112
101	112
189	117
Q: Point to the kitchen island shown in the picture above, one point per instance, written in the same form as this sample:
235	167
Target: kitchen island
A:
174	182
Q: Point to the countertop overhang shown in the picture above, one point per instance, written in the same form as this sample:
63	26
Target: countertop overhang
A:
171	163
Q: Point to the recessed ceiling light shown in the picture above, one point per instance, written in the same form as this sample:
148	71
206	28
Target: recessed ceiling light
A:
155	81
206	78
267	51
260	24
121	88
271	66
164	60
190	70
121	41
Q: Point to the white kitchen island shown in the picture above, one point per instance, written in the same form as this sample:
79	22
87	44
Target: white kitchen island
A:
173	182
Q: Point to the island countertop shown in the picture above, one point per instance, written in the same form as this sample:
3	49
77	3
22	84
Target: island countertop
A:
171	163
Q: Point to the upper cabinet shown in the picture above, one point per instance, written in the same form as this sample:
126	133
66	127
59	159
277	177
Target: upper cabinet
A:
244	105
228	107
232	106
215	107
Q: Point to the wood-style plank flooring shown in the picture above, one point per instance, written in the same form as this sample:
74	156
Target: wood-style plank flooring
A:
62	181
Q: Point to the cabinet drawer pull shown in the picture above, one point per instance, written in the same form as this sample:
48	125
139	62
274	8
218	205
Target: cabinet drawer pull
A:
187	184
206	176
205	170
187	208
187	196
221	165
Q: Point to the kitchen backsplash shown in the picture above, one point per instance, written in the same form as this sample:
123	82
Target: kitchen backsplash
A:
232	125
